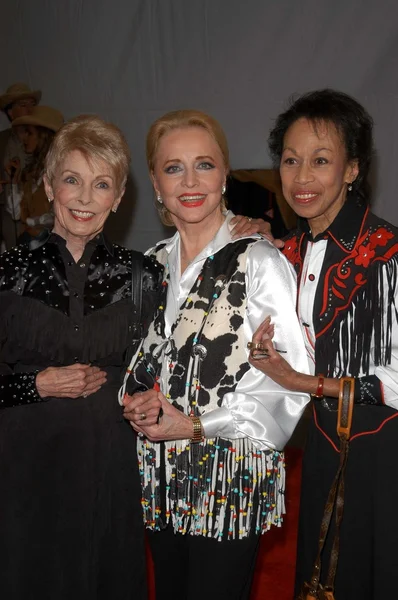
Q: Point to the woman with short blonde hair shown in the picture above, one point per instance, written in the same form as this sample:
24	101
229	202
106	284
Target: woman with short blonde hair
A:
97	140
70	522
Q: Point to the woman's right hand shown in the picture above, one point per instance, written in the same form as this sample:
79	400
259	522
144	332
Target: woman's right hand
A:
72	381
269	361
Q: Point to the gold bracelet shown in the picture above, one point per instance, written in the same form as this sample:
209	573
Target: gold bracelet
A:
197	433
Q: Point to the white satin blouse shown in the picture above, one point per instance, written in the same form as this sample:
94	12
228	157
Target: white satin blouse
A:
259	408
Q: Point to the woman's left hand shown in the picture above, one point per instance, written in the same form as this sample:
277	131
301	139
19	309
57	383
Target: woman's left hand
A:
142	408
271	363
171	425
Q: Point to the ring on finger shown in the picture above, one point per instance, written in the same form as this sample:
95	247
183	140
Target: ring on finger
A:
256	355
142	416
249	218
255	345
85	395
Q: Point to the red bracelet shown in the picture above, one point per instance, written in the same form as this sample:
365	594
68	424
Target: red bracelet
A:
319	389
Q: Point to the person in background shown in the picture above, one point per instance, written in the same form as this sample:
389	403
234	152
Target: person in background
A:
18	101
36	132
346	259
71	524
211	459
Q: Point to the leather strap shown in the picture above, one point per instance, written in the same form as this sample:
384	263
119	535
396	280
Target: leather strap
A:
346	407
137	261
335	501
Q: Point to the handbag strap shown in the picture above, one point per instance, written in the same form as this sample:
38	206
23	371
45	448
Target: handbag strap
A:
335	498
137	267
344	423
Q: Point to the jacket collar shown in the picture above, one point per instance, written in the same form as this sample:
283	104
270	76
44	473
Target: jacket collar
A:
345	228
49	236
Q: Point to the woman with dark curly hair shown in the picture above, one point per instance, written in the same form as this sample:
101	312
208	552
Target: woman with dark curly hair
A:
346	259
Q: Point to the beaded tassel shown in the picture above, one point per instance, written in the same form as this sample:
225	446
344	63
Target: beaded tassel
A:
231	479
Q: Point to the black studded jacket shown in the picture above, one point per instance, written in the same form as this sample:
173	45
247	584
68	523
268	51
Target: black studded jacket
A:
55	312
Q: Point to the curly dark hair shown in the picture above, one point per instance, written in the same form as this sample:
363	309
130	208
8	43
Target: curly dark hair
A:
351	120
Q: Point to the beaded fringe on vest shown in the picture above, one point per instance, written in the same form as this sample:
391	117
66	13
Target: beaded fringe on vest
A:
216	488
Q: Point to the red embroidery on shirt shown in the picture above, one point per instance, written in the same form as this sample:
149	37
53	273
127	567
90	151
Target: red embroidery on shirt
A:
364	256
354	267
342	280
380	237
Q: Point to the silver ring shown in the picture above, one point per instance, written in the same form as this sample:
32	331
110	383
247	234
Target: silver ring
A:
142	416
85	395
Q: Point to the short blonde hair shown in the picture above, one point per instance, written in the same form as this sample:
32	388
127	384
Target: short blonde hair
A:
96	140
182	119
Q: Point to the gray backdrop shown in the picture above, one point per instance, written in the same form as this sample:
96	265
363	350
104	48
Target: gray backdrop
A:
132	60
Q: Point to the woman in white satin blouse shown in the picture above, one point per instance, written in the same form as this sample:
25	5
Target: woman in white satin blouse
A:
212	430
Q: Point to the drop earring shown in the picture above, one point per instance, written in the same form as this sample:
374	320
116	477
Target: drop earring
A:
223	189
159	199
349	187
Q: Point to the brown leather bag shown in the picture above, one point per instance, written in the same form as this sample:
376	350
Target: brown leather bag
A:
335	502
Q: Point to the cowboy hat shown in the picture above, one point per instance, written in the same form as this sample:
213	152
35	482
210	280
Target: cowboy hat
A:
42	116
18	91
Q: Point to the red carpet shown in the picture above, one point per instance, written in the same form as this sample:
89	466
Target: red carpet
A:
274	576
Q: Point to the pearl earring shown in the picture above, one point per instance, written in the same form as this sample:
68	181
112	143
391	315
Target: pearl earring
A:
223	189
114	209
350	187
49	199
159	199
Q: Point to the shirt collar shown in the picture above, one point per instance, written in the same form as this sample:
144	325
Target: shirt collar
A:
50	236
221	239
344	229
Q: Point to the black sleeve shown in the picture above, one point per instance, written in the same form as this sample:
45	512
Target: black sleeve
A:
368	390
15	388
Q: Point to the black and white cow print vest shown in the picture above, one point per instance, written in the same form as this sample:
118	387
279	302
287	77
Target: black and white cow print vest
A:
217	488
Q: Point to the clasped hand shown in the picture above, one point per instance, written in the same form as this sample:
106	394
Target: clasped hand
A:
152	415
72	381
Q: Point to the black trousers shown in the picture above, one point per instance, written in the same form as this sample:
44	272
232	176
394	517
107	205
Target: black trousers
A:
191	567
